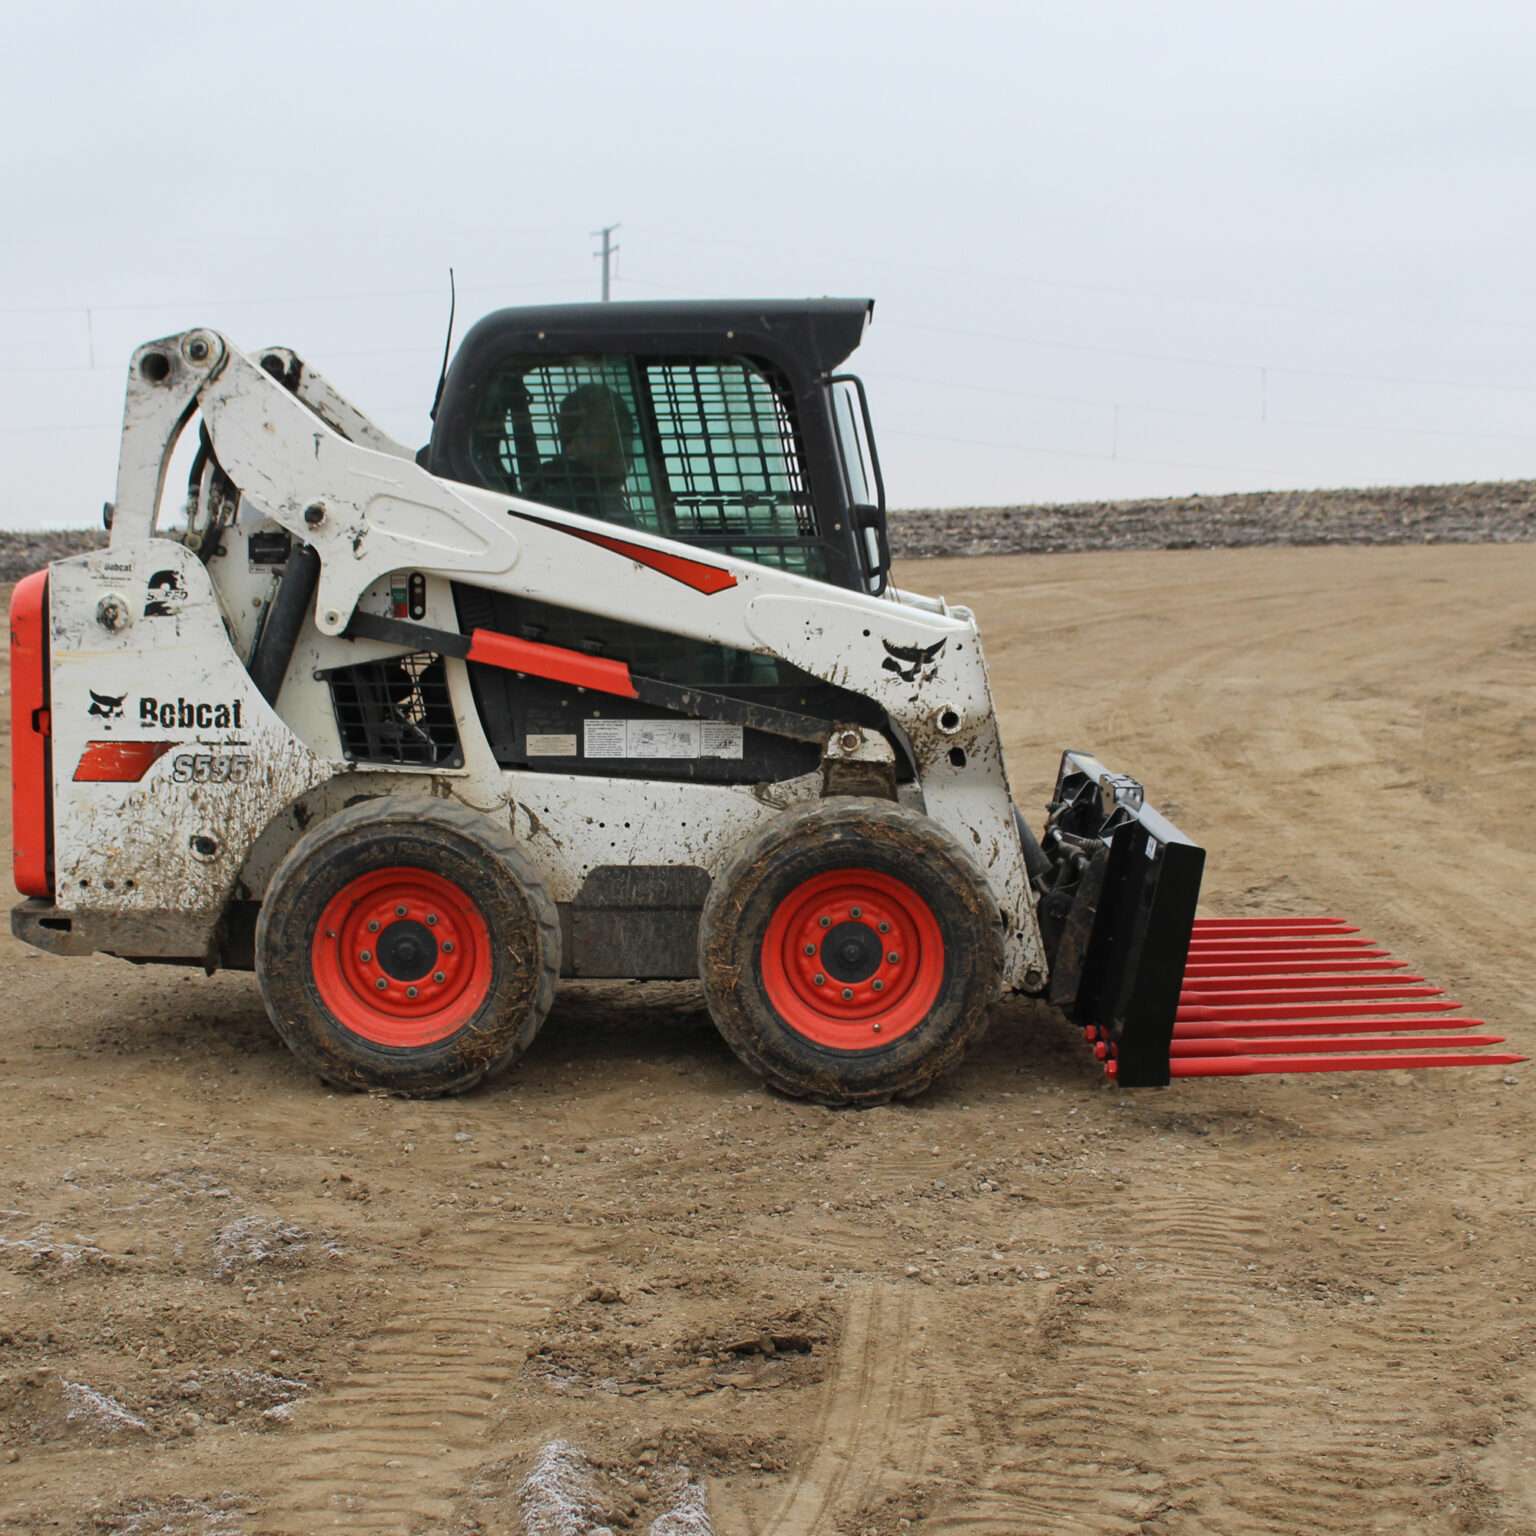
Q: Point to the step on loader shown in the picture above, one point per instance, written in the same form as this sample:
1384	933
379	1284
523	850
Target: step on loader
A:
608	680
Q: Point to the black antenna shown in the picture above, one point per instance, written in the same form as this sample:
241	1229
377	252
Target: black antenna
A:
442	378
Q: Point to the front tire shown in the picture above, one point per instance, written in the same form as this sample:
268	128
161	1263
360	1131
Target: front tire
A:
851	952
407	945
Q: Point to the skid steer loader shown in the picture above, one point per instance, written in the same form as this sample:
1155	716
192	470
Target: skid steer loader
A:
609	680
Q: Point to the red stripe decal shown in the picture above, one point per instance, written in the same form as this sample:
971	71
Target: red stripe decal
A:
552	661
702	577
119	762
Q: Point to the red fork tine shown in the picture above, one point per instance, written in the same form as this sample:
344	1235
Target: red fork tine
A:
1201	968
1256	1066
1248	927
1346	989
1213	953
1318	1010
1242	1029
1327	1044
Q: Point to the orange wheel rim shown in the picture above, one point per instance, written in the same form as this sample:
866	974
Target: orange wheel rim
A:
853	959
402	957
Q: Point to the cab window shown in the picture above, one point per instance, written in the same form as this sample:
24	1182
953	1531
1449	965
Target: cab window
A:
703	451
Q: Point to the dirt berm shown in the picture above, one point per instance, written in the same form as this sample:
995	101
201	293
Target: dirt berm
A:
1028	1303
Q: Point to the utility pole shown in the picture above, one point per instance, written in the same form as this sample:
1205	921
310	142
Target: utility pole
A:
608	252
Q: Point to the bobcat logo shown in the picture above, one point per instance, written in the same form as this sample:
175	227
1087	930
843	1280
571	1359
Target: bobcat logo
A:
105	706
906	661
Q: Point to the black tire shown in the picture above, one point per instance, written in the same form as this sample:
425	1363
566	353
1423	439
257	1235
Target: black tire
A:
766	910
483	993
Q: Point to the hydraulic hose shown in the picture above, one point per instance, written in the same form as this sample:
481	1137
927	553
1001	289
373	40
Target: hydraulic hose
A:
285	618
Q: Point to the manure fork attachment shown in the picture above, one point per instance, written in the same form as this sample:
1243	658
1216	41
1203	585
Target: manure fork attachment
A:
1162	994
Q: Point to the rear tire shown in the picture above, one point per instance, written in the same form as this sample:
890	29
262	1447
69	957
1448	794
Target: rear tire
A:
851	952
407	945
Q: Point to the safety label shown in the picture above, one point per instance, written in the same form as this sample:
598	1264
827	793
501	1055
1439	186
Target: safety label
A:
660	738
551	745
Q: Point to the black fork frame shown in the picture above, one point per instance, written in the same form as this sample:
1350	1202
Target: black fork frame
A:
1117	909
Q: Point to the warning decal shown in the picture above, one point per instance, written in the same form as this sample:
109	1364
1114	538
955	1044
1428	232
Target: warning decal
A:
660	738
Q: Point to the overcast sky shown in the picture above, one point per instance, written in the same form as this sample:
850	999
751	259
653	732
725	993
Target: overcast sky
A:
1117	249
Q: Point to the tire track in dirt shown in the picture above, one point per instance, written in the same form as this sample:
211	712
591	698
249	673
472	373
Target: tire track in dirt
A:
873	1435
1246	1435
390	1447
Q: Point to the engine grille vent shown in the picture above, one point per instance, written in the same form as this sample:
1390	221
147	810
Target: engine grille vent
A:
396	711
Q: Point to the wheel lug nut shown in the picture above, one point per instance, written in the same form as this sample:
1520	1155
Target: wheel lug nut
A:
847	994
826	922
810	949
447	946
410	991
885	927
431	919
381	984
330	933
399	911
439	977
876	1028
366	956
373	927
819	979
855	911
893	958
878	985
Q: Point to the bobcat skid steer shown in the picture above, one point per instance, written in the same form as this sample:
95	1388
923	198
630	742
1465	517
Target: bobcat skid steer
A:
609	680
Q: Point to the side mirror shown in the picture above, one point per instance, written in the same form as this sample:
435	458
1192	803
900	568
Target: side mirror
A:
877	560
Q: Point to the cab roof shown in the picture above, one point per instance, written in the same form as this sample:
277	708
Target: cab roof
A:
804	337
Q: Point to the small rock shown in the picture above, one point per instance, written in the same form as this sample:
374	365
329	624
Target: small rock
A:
604	1294
462	1136
1042	1274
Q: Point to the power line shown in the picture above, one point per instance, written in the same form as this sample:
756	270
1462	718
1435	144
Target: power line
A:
1012	279
352	295
1069	453
1057	344
1262	368
1264	418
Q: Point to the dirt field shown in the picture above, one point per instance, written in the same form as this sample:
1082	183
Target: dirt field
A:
231	1302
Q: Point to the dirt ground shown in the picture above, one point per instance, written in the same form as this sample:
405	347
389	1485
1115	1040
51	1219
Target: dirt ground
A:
233	1302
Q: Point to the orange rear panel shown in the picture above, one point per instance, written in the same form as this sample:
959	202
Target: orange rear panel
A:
31	808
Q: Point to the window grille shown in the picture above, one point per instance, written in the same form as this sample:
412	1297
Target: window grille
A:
727	444
396	711
702	451
568	434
